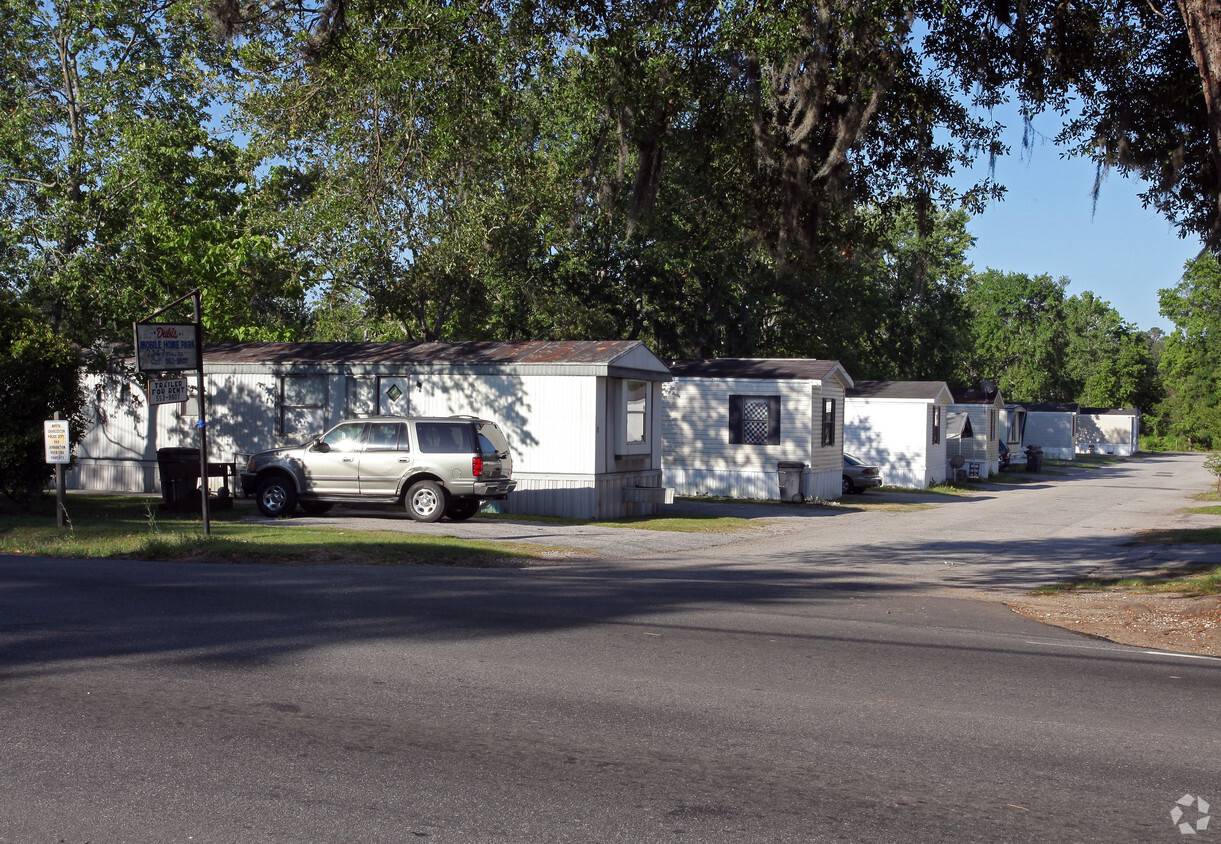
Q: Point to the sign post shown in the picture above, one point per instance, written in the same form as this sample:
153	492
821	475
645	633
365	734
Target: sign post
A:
176	347
59	453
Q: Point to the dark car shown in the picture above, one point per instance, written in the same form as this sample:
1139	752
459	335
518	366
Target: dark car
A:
1005	455
858	476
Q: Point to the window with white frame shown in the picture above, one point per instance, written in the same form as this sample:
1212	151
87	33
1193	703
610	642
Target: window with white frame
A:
936	424
828	421
754	420
302	404
636	408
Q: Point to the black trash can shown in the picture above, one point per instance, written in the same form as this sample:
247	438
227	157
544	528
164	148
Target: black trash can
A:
792	476
179	471
1034	458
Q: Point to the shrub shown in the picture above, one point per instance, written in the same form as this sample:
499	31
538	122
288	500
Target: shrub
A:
39	375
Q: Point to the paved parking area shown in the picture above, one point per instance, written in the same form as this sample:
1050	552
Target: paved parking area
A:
999	539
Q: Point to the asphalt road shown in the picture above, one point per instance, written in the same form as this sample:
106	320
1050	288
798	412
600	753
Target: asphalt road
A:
816	683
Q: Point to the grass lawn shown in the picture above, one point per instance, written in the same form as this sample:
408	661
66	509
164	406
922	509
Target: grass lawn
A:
136	528
1196	580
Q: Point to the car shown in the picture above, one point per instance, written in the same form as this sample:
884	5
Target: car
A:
1005	455
859	477
443	466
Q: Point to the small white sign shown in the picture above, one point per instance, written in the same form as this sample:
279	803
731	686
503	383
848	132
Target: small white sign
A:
164	347
170	391
55	437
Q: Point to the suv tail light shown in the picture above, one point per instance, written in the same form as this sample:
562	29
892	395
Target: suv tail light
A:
476	466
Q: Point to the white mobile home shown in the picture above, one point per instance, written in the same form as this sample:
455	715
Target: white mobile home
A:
730	422
582	418
899	426
1052	426
1108	431
983	406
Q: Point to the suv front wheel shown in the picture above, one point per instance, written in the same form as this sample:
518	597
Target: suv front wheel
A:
276	497
426	501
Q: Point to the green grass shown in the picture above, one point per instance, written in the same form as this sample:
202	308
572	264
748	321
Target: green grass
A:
1192	581
1179	536
135	528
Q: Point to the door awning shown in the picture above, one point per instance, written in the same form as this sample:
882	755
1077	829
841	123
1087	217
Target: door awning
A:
958	426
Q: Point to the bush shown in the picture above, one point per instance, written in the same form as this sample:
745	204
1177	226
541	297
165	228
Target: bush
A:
39	375
1213	464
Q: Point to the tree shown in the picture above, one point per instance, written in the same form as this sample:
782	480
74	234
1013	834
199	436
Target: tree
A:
1139	81
117	198
1191	360
1107	361
1019	340
682	173
39	375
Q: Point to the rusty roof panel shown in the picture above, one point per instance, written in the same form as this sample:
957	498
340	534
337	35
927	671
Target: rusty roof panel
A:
472	353
766	368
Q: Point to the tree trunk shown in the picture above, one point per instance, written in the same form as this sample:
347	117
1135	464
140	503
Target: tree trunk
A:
1203	20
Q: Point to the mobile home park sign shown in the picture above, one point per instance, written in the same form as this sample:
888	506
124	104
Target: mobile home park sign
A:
164	347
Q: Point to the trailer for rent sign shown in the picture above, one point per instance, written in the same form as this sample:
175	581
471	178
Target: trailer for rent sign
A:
169	391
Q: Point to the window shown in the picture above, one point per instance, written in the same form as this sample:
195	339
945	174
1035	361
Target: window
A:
345	437
828	421
445	437
636	401
387	436
936	425
302	404
754	420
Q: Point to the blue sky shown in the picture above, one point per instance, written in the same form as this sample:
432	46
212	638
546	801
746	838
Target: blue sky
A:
1047	223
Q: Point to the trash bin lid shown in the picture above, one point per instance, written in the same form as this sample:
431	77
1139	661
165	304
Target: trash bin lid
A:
177	454
790	464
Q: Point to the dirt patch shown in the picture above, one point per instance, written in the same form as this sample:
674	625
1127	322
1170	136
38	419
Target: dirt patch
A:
1165	622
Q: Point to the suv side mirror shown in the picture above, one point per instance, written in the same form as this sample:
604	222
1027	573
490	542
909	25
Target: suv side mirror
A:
322	446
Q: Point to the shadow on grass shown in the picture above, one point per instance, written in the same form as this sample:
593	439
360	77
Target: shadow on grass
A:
1192	581
129	527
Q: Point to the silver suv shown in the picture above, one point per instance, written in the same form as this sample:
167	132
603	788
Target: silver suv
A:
435	466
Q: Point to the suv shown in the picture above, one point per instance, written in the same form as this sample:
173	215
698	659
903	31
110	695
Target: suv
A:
435	466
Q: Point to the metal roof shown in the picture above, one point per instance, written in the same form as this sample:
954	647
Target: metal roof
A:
810	369
1110	411
897	389
560	356
1052	407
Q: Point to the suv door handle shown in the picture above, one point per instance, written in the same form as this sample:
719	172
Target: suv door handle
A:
348	459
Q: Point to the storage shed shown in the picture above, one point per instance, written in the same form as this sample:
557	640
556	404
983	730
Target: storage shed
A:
1053	427
980	451
730	422
899	426
1108	431
582	418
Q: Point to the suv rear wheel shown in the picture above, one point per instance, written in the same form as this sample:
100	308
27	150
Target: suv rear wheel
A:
426	501
276	497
